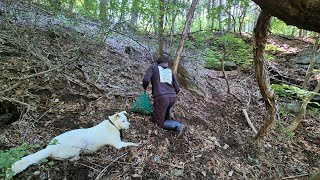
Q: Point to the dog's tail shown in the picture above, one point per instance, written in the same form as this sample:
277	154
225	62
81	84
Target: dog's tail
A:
25	162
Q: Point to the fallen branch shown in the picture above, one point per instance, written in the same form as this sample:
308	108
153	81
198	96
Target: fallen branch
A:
103	170
27	77
16	101
40	73
249	121
87	166
10	88
300	175
171	165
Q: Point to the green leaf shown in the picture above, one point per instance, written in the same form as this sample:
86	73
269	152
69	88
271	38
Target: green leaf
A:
51	163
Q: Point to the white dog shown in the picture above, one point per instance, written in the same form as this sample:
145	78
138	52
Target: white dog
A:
71	143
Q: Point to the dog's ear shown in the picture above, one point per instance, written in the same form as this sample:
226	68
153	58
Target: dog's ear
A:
116	116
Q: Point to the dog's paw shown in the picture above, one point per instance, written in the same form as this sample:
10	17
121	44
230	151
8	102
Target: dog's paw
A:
75	158
136	144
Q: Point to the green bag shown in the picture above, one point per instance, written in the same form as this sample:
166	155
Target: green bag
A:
142	105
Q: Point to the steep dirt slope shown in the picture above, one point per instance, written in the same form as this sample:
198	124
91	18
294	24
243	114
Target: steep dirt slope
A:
87	82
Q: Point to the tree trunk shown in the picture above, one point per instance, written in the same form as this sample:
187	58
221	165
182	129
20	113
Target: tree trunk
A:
160	26
261	33
103	10
173	18
300	33
229	23
87	6
134	12
241	22
71	5
212	19
295	123
292	32
311	65
184	35
220	17
122	10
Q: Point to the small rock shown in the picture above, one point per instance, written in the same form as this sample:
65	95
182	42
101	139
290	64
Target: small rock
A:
36	173
225	146
177	172
230	173
268	145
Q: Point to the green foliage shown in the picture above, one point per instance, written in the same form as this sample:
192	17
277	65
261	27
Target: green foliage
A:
54	142
213	58
269	57
290	135
271	47
8	157
290	91
237	50
279	27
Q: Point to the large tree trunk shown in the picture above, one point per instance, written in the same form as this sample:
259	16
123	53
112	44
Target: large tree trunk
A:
261	33
184	35
301	13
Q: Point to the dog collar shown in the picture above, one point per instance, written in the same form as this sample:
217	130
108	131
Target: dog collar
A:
120	130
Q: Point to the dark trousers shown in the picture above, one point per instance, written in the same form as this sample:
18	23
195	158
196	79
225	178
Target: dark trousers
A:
161	109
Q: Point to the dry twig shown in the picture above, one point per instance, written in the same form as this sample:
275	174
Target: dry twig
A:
103	170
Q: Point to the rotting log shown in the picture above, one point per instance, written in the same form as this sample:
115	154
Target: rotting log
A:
301	13
260	38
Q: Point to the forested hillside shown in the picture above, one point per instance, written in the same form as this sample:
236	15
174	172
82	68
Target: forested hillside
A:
249	84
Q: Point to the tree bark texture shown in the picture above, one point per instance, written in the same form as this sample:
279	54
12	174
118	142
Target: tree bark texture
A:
184	35
312	64
261	33
301	13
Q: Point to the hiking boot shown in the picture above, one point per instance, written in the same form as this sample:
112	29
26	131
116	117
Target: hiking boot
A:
174	126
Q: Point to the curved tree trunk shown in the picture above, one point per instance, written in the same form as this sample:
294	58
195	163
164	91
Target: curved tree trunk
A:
301	13
261	32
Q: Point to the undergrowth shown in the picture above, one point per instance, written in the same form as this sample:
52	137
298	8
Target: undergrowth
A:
10	156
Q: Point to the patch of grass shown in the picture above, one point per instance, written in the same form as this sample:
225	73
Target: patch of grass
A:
213	57
291	92
237	50
271	47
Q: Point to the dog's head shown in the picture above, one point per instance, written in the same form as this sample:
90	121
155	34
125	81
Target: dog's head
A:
120	120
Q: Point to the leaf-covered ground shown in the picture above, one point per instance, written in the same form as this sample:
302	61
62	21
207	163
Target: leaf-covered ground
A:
85	82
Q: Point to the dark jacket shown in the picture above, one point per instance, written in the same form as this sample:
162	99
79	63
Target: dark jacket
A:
163	81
